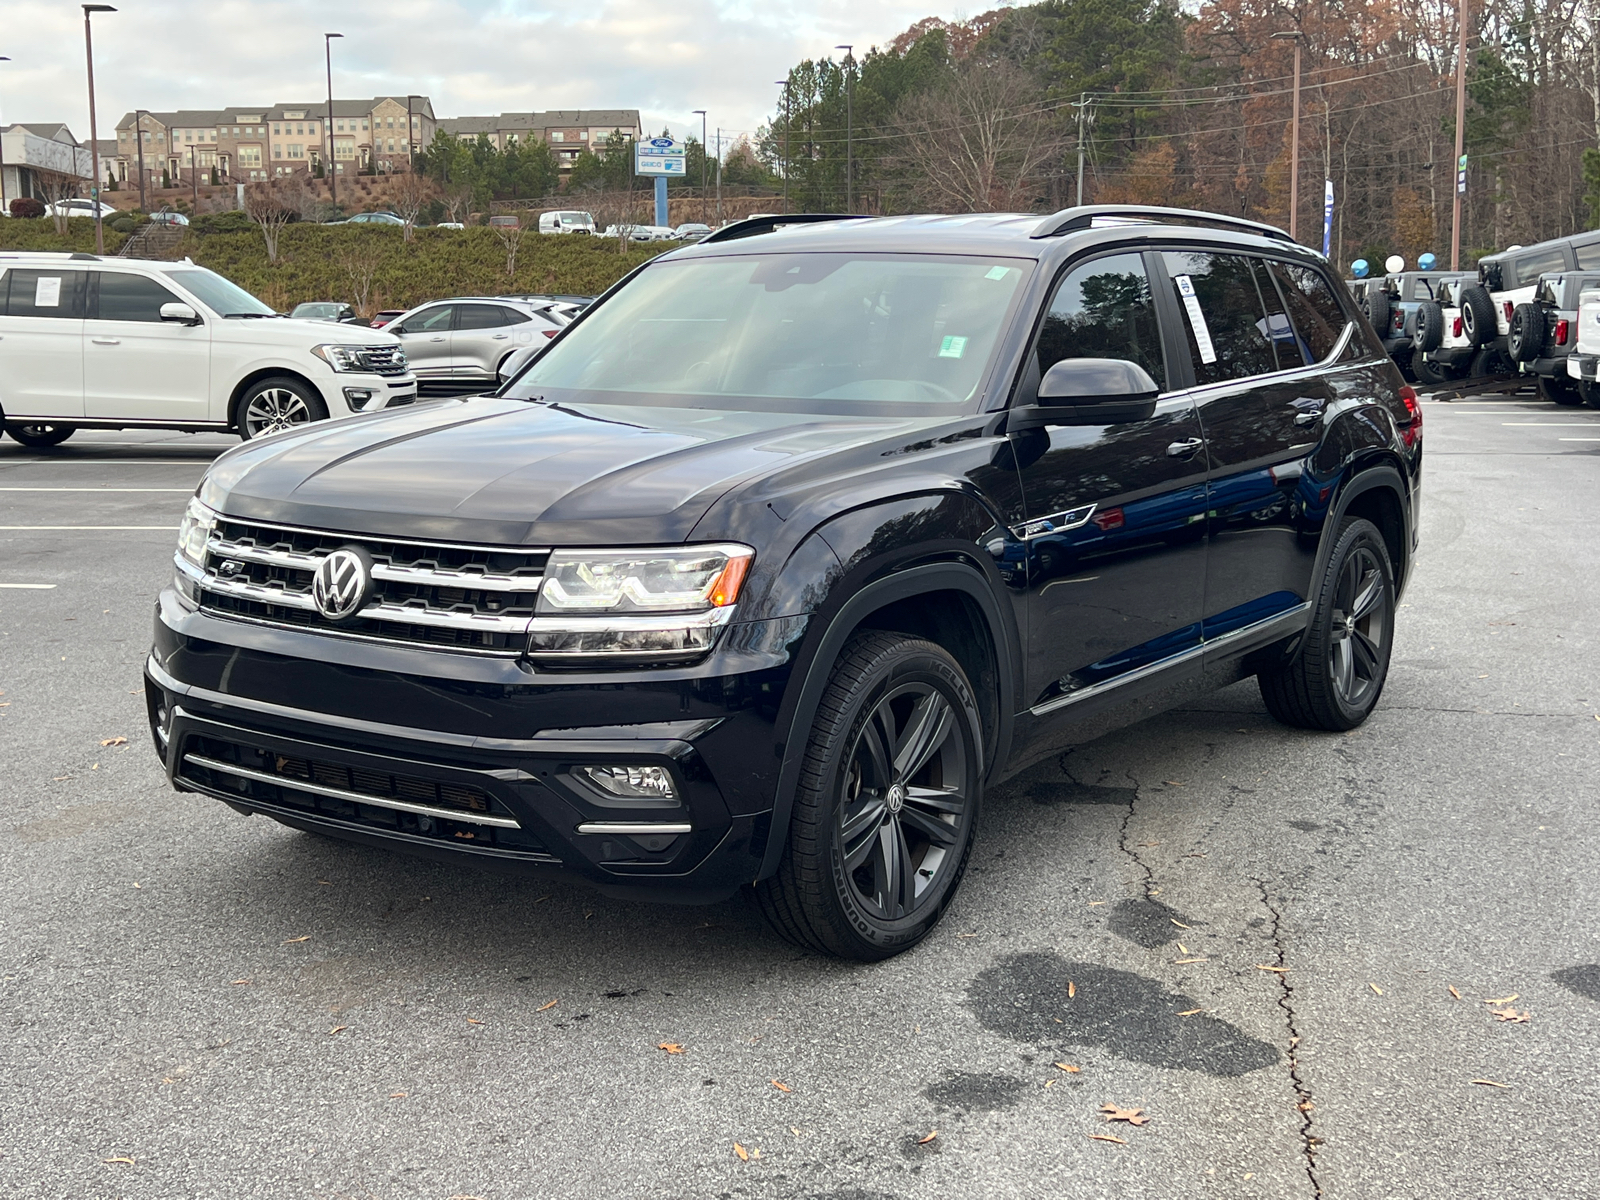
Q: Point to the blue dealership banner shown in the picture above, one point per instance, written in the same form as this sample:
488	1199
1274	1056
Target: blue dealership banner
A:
1327	216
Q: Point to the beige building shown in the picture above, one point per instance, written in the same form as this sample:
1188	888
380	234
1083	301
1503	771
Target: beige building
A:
569	131
248	144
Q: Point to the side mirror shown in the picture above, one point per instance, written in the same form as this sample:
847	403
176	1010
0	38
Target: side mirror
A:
1090	391
181	313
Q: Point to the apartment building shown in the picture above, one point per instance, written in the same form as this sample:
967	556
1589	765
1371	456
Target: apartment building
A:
249	144
569	131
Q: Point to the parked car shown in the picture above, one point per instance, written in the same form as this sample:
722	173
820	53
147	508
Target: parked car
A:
449	225
1416	314
653	233
369	218
327	310
505	220
691	232
1510	278
115	343
1585	356
79	207
386	315
1449	356
1543	333
469	337
756	575
566	221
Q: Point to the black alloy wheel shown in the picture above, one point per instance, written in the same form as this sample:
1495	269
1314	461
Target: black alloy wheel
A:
40	437
1335	678
1526	338
886	806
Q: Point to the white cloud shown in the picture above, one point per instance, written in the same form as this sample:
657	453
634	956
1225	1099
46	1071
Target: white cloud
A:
471	58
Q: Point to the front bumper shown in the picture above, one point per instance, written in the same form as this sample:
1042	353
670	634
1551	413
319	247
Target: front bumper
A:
350	392
473	759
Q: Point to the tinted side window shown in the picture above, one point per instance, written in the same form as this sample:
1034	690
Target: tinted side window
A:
1528	268
484	316
1104	309
132	297
1588	255
1314	309
435	320
43	293
1225	319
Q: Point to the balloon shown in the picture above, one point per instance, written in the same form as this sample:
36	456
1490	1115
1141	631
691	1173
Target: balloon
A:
1394	263
1426	262
1359	268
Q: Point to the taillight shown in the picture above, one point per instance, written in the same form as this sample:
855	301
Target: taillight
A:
1455	328
1413	429
1561	332
1508	306
549	332
1399	320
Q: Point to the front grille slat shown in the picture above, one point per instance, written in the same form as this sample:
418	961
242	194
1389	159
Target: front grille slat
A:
476	599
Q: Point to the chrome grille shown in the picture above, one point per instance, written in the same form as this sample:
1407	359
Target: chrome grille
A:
477	599
386	360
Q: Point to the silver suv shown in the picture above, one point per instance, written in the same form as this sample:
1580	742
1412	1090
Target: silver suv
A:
468	338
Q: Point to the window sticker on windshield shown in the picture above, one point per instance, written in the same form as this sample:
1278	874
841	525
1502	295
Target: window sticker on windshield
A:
47	292
952	347
998	272
1197	319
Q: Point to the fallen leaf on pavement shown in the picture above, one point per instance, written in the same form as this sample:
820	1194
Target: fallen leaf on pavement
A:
239	982
114	741
1096	903
795	1129
1106	1137
1178	923
1279	970
1068	1068
1189	1012
1491	1083
1455	993
337	1029
1133	1116
1183	962
744	1155
1182	949
1072	989
120	1159
397	1095
923	1141
1375	988
1173	782
546	1007
473	1021
1305	1106
292	941
782	1087
1503	999
670	1047
1513	1016
1147	845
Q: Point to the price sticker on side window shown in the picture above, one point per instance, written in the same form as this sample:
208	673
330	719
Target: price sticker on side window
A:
1197	319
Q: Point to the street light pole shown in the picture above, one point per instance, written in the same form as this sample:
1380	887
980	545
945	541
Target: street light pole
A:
333	184
719	176
194	179
784	84
3	58
704	165
94	136
849	129
138	141
1461	138
1297	38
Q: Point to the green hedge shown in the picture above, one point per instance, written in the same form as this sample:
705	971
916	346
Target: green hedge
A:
39	233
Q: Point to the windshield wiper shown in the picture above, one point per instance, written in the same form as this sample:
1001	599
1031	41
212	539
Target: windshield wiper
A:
249	316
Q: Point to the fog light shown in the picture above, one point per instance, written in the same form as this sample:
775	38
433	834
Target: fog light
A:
632	783
358	398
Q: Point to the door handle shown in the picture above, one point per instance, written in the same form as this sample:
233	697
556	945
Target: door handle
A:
1185	449
105	341
437	339
1309	416
500	337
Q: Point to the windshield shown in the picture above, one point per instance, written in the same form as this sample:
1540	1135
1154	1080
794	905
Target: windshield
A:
792	332
225	298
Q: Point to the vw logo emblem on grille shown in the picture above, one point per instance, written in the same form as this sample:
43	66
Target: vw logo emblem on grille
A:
340	583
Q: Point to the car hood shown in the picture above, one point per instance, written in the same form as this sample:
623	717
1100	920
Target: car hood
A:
303	331
508	472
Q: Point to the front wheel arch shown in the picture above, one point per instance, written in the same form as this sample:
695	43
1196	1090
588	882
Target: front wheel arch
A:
256	376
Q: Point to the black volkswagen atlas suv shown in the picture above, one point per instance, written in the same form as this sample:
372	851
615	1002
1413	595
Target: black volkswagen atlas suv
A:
793	544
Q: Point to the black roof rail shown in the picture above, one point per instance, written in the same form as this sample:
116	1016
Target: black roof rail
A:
751	226
1070	220
80	256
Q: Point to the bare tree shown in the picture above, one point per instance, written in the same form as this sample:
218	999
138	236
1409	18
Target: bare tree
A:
360	259
57	188
511	238
458	202
410	194
271	207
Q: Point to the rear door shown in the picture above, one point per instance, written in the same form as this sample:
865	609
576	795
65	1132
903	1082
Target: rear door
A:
1113	515
41	342
484	335
426	337
137	366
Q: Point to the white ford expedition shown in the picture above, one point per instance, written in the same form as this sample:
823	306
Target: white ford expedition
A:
112	343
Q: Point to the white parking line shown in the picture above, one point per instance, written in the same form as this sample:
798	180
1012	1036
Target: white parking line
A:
165	528
1553	424
103	462
1578	439
29	587
179	491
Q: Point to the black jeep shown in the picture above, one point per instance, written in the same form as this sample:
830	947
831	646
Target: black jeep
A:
793	544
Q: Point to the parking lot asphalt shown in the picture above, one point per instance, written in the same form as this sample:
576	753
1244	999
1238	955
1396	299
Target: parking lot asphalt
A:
1248	932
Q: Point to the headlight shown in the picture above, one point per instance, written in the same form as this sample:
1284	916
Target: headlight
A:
344	358
636	605
194	531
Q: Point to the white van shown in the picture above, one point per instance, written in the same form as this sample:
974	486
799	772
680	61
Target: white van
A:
570	221
116	343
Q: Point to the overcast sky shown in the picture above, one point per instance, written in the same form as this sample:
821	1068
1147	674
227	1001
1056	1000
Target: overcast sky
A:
472	57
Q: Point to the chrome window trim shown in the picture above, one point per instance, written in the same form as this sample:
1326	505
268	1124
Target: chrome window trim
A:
1339	347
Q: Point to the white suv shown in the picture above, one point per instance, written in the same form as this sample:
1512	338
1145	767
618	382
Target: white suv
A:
111	343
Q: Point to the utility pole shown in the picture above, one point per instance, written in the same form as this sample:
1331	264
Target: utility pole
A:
719	176
1461	138
138	141
194	180
849	129
704	165
1083	106
784	84
3	58
1295	36
94	136
333	187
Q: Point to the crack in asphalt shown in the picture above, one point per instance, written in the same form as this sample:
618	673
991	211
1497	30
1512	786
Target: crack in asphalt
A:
1303	1103
1122	843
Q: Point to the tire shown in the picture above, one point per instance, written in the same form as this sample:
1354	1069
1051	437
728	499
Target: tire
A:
1477	315
41	436
1379	313
893	702
1590	393
1334	680
275	404
1430	326
1559	391
1489	361
1526	338
1427	372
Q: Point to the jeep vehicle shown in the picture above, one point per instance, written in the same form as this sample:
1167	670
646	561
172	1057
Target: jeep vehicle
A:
118	343
1543	332
1416	314
793	544
1443	351
1585	356
1510	278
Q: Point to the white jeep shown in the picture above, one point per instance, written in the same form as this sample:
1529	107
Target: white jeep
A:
1585	356
112	343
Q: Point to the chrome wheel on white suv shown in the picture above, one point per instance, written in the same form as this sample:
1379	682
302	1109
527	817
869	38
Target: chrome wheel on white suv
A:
274	405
